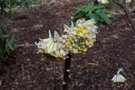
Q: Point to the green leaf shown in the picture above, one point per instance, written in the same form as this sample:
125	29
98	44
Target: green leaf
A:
97	7
86	10
78	9
9	46
12	41
91	5
1	34
106	11
103	16
94	16
37	2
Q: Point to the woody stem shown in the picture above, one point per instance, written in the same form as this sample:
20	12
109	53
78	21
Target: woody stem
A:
66	72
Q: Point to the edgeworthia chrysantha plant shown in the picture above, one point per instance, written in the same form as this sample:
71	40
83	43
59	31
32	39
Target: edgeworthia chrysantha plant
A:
78	39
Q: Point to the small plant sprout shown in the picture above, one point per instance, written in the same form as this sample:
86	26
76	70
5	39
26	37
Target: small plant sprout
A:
118	78
72	23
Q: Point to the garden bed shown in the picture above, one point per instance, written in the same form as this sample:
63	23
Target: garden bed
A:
114	48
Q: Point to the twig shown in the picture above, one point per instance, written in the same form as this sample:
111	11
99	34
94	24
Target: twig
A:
23	45
26	44
0	82
22	67
126	13
129	17
93	64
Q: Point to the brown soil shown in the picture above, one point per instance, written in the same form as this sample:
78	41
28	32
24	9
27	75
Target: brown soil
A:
114	48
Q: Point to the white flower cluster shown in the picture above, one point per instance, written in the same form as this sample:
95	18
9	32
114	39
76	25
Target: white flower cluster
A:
77	39
128	1
107	1
52	46
103	1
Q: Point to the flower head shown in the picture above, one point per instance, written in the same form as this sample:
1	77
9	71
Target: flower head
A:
107	1
81	36
118	77
103	1
128	1
52	46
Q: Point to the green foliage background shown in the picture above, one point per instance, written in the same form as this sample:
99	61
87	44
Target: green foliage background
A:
96	11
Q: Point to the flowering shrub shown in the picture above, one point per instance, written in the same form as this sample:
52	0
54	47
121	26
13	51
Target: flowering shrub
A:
77	39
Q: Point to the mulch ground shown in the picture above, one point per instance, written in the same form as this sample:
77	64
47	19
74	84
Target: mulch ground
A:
114	48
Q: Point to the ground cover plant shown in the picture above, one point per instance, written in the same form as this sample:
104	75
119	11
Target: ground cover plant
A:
97	11
7	41
113	49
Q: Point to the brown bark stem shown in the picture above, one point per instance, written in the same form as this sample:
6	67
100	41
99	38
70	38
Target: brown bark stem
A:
66	72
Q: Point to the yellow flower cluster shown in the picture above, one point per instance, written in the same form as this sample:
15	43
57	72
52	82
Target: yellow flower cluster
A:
81	36
77	39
